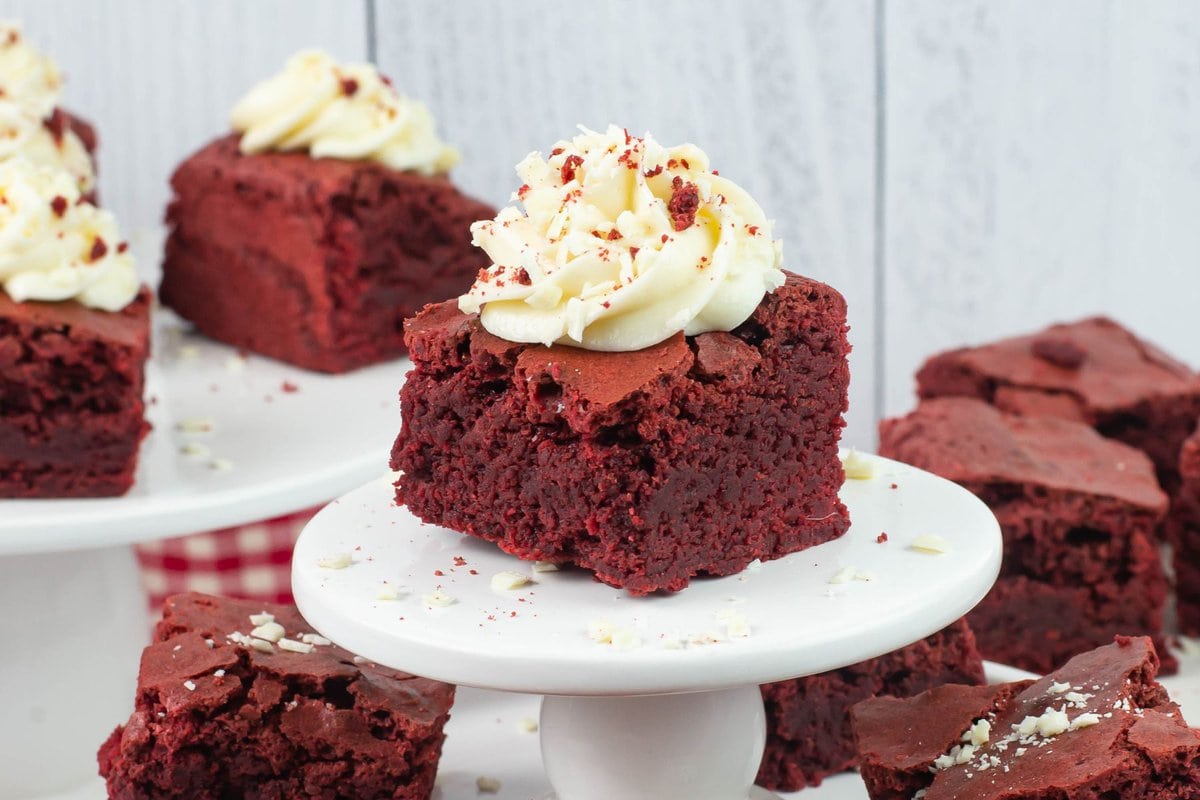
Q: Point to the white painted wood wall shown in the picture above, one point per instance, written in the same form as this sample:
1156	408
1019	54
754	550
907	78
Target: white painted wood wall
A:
960	169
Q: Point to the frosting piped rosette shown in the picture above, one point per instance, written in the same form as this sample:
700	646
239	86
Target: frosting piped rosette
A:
53	246
622	243
348	112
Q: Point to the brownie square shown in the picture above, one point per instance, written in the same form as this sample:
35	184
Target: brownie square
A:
222	714
71	409
1092	371
808	719
1185	537
1100	727
692	457
1078	514
316	262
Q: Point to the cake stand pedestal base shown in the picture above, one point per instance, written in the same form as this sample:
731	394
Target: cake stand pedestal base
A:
699	746
72	626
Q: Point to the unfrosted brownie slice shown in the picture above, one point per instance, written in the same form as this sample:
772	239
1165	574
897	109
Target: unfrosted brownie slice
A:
1078	514
808	719
238	700
1185	537
1100	727
1093	371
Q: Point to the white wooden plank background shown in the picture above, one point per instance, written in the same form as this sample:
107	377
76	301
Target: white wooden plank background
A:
1042	163
1040	160
780	95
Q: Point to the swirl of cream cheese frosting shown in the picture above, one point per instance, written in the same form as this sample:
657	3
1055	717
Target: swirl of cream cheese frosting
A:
348	112
27	78
55	247
622	244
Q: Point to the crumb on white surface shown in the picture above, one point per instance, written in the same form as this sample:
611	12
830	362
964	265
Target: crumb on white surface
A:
195	425
545	566
195	450
929	543
754	566
843	575
335	561
857	466
625	639
189	351
389	591
438	599
600	631
509	579
864	575
235	364
220	465
487	785
527	725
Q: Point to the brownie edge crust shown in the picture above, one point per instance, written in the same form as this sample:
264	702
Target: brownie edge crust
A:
692	457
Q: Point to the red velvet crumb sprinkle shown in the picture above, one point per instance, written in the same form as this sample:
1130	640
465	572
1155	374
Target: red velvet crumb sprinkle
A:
653	172
569	166
523	277
349	86
289	388
58	205
99	248
684	202
881	538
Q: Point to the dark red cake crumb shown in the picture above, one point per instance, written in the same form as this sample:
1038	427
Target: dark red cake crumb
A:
881	538
71	410
692	457
1078	513
1122	738
808	719
684	202
570	164
339	253
216	718
287	387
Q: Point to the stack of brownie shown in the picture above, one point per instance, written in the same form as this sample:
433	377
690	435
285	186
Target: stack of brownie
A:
1036	459
1078	513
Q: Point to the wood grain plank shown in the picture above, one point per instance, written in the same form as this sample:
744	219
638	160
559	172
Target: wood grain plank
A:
781	96
158	79
1041	165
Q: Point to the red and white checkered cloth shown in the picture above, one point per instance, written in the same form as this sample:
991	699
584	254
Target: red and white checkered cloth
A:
249	561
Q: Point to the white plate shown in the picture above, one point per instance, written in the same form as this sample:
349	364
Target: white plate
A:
535	639
269	451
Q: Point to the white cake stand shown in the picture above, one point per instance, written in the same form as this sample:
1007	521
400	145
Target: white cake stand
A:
236	439
670	707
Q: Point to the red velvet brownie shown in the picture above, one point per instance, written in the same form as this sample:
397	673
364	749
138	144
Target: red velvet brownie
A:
1099	727
71	409
694	456
1185	537
808	719
1092	371
313	234
225	708
1078	514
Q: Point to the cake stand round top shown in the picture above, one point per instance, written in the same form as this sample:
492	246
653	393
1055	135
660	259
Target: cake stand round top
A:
920	553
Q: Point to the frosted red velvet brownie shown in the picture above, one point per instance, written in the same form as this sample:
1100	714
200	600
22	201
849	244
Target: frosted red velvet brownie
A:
353	222
74	339
1099	728
634	386
1078	513
240	700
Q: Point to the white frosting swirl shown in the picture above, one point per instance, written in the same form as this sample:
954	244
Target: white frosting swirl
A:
54	247
622	244
348	112
27	78
27	136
